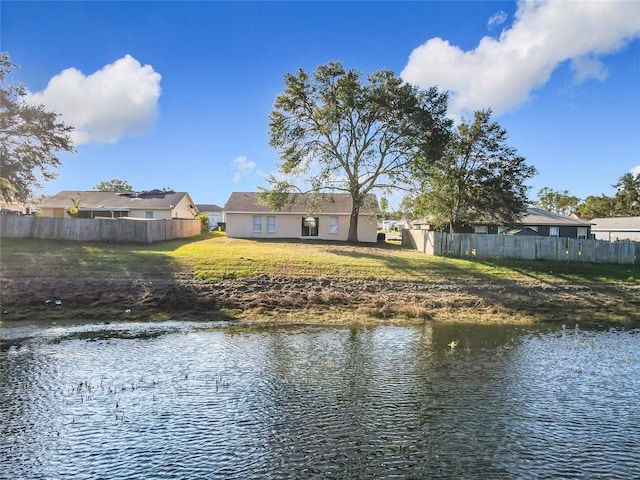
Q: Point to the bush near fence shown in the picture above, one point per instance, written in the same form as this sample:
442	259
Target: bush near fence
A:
98	229
521	247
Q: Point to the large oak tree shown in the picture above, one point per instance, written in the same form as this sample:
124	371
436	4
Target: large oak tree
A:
30	137
339	134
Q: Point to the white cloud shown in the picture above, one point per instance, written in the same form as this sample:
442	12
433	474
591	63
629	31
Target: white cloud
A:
588	67
497	19
245	168
635	170
120	99
501	73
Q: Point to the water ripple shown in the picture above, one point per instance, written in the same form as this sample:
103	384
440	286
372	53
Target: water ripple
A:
180	400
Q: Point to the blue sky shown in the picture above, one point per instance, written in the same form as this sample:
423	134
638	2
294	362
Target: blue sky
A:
178	94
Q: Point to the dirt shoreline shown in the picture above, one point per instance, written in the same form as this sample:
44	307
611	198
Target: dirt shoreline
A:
282	300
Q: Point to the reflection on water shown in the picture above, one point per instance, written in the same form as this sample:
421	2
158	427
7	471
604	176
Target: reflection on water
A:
181	400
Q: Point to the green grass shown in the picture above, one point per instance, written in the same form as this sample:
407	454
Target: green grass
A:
214	257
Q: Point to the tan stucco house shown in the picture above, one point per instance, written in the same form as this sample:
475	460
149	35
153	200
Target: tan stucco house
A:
152	204
247	218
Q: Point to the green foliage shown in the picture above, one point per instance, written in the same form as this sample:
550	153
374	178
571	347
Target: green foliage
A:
596	206
479	178
557	202
114	185
30	137
279	196
337	133
384	205
76	206
627	198
625	203
204	223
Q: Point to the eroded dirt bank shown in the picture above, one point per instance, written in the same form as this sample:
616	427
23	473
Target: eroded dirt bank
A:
307	300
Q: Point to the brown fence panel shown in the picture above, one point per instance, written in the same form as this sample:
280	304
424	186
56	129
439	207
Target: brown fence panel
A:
97	229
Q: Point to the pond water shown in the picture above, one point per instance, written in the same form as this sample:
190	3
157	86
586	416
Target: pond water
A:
192	400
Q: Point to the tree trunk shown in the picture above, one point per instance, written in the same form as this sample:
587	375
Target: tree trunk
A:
353	225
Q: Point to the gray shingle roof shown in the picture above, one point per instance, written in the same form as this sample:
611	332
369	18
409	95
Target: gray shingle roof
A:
616	224
208	207
535	216
154	199
336	203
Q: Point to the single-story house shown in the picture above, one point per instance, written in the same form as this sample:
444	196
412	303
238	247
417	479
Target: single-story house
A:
535	222
156	204
213	212
247	218
616	228
543	223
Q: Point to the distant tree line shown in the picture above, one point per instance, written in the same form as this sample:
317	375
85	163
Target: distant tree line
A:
625	202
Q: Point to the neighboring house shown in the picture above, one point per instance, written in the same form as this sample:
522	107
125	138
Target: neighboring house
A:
542	223
396	225
153	204
616	228
12	208
214	212
246	218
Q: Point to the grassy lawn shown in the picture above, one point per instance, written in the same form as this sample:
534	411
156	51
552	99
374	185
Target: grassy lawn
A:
214	257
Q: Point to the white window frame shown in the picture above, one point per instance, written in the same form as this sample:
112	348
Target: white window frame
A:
554	232
271	224
334	223
257	223
148	214
582	232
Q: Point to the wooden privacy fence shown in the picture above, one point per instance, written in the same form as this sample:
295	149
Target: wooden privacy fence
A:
521	247
97	229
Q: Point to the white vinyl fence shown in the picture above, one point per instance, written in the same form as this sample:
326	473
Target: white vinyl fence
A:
97	229
522	247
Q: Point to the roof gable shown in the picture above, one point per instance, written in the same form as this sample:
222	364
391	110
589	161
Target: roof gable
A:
330	203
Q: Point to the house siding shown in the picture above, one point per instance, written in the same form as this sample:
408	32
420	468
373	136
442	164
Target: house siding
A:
616	228
240	225
615	235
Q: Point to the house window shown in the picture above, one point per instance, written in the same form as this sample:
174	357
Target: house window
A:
481	229
271	224
148	214
582	232
257	224
310	226
333	224
554	231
